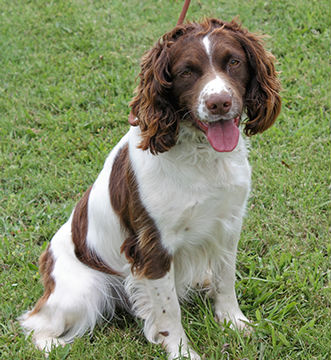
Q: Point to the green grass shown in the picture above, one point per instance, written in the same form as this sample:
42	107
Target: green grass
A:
67	71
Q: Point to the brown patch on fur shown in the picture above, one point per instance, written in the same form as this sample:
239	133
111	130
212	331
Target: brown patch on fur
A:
79	226
46	264
164	333
143	246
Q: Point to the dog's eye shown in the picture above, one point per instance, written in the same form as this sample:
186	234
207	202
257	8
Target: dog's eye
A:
234	62
186	73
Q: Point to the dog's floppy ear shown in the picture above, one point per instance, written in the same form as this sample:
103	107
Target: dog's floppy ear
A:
262	101
151	106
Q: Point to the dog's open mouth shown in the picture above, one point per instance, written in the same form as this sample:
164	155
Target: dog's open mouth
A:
223	135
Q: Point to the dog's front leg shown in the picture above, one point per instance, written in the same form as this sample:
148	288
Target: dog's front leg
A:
156	302
223	283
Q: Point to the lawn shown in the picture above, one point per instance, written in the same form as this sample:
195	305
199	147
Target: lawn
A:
67	74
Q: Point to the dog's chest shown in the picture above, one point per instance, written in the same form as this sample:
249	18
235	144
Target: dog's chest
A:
189	202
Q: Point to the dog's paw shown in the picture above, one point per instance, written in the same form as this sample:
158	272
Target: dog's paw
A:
46	344
187	354
238	320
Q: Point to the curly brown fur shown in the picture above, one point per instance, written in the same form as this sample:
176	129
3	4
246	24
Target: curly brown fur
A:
153	105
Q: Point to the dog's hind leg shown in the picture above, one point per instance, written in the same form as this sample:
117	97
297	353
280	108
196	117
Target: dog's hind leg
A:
76	297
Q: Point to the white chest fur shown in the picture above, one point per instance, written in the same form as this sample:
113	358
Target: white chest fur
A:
191	190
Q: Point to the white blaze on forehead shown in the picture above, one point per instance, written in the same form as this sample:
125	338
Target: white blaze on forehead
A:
207	44
215	86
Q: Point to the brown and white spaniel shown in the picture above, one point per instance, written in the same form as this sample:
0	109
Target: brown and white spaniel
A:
166	211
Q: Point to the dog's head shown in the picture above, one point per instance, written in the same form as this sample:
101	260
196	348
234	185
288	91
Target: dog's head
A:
207	74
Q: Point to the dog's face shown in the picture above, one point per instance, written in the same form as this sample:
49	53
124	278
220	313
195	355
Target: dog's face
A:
208	74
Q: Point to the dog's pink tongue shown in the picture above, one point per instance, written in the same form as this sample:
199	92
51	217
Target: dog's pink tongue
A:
223	135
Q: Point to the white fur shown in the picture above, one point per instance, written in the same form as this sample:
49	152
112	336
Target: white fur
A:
196	197
215	86
207	45
156	302
80	299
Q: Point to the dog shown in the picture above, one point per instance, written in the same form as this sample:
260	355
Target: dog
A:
166	211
